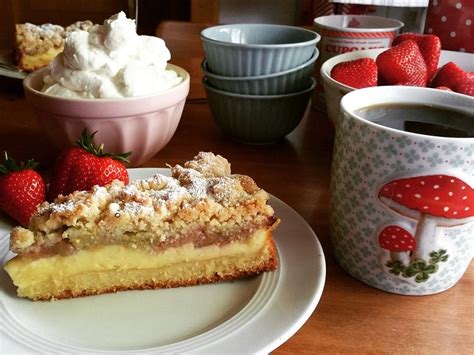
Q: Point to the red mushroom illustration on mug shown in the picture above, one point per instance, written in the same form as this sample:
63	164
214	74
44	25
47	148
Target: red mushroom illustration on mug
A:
399	242
434	202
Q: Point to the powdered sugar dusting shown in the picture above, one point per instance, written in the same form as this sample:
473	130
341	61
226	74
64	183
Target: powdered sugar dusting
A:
68	206
100	192
136	208
209	164
210	180
222	188
130	190
197	183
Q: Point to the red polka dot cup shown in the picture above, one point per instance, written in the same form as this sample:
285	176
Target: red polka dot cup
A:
348	33
402	188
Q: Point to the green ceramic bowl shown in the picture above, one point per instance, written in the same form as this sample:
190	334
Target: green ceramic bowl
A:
258	119
285	82
256	49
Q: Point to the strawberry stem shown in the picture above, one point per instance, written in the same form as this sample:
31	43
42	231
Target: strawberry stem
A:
86	142
10	165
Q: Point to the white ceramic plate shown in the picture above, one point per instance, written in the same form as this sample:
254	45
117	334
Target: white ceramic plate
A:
247	316
7	66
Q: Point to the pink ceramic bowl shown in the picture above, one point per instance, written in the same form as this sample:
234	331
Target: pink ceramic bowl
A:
142	125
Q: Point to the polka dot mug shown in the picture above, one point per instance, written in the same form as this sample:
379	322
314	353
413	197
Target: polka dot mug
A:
402	203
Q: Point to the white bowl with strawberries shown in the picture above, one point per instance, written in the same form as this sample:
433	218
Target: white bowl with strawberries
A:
413	60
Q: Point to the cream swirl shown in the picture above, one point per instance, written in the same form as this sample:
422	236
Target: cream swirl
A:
110	61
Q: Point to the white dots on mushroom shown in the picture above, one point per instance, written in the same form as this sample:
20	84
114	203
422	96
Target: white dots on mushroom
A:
398	242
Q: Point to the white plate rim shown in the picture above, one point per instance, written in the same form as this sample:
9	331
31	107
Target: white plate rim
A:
277	325
5	55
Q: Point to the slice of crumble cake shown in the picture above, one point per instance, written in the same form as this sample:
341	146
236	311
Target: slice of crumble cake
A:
37	45
201	225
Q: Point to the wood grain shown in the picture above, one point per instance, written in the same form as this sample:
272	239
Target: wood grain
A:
205	11
351	317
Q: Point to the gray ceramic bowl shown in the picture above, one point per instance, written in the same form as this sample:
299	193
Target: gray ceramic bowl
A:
256	49
285	82
258	119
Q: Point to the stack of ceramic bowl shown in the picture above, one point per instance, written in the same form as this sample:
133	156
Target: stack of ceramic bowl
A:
258	78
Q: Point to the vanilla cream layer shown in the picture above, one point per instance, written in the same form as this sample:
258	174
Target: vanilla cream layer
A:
27	272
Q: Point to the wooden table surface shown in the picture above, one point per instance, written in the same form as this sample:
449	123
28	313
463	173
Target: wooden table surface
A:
350	317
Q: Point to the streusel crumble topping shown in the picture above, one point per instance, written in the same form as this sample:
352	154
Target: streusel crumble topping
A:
36	39
202	203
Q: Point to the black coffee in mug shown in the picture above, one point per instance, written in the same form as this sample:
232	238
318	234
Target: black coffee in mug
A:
431	120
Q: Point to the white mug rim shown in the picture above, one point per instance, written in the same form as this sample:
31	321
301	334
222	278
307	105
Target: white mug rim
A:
395	25
357	99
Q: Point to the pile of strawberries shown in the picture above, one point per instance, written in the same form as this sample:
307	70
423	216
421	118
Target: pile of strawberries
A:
413	61
22	189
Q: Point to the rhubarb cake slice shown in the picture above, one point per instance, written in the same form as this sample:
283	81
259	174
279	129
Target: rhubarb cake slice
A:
201	225
37	45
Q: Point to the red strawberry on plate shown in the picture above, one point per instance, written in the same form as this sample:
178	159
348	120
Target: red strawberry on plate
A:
402	65
21	189
429	45
82	167
359	73
453	77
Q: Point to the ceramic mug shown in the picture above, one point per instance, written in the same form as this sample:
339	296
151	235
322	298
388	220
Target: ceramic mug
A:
402	203
348	33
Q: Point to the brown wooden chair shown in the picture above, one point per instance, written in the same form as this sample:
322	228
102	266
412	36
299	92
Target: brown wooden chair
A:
182	38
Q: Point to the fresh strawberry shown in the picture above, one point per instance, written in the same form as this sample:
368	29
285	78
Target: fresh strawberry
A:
359	73
21	189
402	65
429	45
453	77
81	167
466	86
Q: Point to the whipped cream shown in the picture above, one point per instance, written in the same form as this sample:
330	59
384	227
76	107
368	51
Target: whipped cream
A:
110	61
